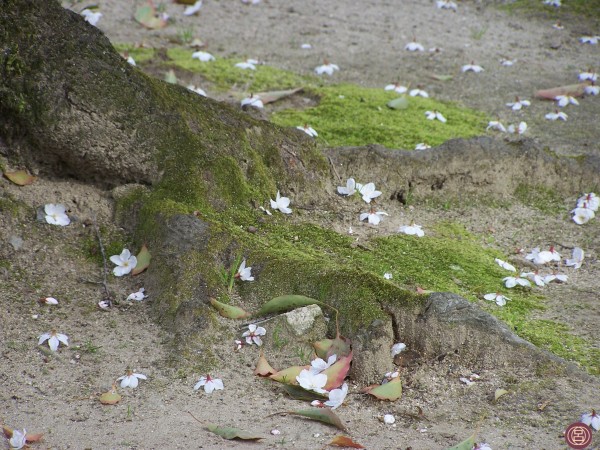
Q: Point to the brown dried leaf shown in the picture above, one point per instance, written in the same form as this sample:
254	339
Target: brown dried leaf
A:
263	368
20	177
344	441
574	90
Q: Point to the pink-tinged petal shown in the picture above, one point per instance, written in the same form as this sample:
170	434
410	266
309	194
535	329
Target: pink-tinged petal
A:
257	340
337	372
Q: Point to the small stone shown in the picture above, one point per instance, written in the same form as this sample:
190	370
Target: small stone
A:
275	432
16	242
252	229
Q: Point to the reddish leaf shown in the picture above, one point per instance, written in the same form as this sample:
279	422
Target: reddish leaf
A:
344	441
146	15
229	311
322	347
263	368
337	372
143	260
574	90
288	376
20	177
389	391
30	437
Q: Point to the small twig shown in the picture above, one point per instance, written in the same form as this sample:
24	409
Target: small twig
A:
334	169
83	280
105	265
194	417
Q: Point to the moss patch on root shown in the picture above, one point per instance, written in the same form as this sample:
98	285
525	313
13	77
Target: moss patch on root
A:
346	114
139	54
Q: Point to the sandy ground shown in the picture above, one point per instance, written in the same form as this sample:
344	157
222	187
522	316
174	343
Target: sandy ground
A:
57	393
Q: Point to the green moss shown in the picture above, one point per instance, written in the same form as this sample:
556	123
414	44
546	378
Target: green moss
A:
353	115
223	74
587	8
139	54
545	199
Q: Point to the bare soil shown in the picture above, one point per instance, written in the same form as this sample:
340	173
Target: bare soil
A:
56	393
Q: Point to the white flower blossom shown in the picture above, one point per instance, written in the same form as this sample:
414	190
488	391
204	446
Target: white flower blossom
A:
555	3
91	16
576	259
543	257
253	334
593	40
337	397
507	62
130	379
472	68
582	215
412	230
535	277
373	217
203	56
253	100
564	100
125	262
418	93
389	419
556	116
432	115
311	381
511	282
56	214
131	61
396	87
49	301
590	201
18	439
592	419
104	305
414	47
244	273
505	265
387	276
446	4
192	9
557	277
308	130
592	89
327	68
54	340
318	365
368	192
349	189
281	204
591	76
422	146
496	125
518	104
197	90
137	296
496	297
518	129
210	384
398	348
248	64
306	46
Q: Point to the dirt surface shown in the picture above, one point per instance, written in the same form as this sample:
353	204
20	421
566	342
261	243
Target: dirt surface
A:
56	393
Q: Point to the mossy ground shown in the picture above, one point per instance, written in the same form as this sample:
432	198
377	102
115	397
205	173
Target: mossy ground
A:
346	114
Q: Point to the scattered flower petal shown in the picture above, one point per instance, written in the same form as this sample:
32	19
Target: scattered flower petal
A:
422	146
130	379
349	189
192	9
555	3
398	348
91	16
446	4
576	259
432	115
592	419
203	56
535	277
56	214
389	419
306	46
197	90
556	116
414	47
253	100
18	439
496	125
387	276
505	265
472	68
244	273
248	64
327	68
49	301
137	296
496	297
507	62
564	100
397	87
412	230
593	40
337	397
253	334
511	282
308	130
311	381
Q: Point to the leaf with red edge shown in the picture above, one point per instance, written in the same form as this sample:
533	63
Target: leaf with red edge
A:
288	376
143	261
229	311
344	441
324	415
340	346
20	177
299	393
337	372
263	368
147	16
574	90
389	391
34	437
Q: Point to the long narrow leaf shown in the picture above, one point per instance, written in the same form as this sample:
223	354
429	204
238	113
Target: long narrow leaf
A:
324	415
285	303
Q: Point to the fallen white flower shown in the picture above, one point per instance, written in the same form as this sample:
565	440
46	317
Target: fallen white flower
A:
337	397
368	192
518	129
244	273
311	381
422	146
398	348
203	56
496	297
557	277
91	16
507	62
192	9
496	125
318	365
387	276
412	230
556	116
432	115
327	68
308	130
576	258
582	215
472	68
137	296
389	419
543	257
397	87
591	76
253	334
518	104
56	214
131	61
505	265
590	201
511	282
54	340
564	100
253	100
248	64
591	90
414	47
197	90
373	217
130	379
281	203
210	384
555	3
592	419
535	277
446	4
49	301
125	262
306	46
418	93
349	189
593	40
18	439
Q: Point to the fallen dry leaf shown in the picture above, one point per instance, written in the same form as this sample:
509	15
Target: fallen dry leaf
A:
344	441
